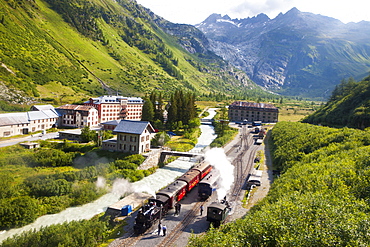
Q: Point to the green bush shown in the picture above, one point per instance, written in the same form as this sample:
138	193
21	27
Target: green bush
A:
53	158
124	164
71	234
18	211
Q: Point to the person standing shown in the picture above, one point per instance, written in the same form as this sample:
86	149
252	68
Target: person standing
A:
159	228
164	228
201	209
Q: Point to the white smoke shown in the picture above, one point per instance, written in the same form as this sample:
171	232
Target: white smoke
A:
217	158
121	187
145	189
101	183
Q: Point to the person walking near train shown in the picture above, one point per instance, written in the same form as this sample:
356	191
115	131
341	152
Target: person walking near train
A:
159	228
164	228
177	208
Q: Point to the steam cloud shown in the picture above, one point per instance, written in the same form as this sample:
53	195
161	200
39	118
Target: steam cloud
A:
145	188
101	183
217	158
121	187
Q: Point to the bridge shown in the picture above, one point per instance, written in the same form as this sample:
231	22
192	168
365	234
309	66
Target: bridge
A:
164	154
206	120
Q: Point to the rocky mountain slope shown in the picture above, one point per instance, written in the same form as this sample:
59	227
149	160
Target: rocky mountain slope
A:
296	53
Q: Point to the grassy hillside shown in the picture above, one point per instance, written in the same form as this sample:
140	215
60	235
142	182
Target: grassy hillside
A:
64	51
321	198
349	106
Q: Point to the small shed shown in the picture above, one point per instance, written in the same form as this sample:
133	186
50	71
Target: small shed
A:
30	145
125	206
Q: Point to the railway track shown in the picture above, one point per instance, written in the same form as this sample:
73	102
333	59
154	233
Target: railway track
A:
243	164
171	238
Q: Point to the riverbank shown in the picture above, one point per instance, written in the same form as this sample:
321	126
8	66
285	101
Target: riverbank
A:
154	182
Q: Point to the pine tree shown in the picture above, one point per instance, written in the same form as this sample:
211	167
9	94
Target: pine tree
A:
172	111
148	111
158	114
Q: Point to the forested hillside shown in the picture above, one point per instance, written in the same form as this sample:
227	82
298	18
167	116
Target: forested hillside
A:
321	198
67	51
349	105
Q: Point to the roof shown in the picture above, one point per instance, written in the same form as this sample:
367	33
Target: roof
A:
114	99
253	105
133	127
25	117
113	122
135	199
75	107
13	118
36	115
42	107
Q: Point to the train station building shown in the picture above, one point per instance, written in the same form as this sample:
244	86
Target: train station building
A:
250	111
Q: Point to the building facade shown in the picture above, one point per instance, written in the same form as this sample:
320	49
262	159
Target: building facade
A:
22	123
132	137
117	107
249	111
77	116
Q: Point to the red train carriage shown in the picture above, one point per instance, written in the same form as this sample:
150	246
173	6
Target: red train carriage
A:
168	196
191	177
204	168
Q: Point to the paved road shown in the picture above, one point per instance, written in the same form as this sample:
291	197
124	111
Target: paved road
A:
35	137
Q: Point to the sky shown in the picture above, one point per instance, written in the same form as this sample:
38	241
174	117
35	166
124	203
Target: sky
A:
195	11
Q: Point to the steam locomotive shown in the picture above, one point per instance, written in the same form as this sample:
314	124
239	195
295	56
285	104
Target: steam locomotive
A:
217	212
208	184
167	198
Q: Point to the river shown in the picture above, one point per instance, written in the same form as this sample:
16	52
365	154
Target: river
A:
150	184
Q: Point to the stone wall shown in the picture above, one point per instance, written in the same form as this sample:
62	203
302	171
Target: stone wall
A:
152	159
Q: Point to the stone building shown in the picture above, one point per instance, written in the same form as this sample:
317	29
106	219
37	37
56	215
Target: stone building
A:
132	137
249	111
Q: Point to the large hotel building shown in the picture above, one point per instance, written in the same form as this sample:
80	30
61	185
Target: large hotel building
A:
249	111
117	107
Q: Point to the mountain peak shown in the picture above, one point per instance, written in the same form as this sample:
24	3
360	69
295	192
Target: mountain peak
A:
293	11
212	18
